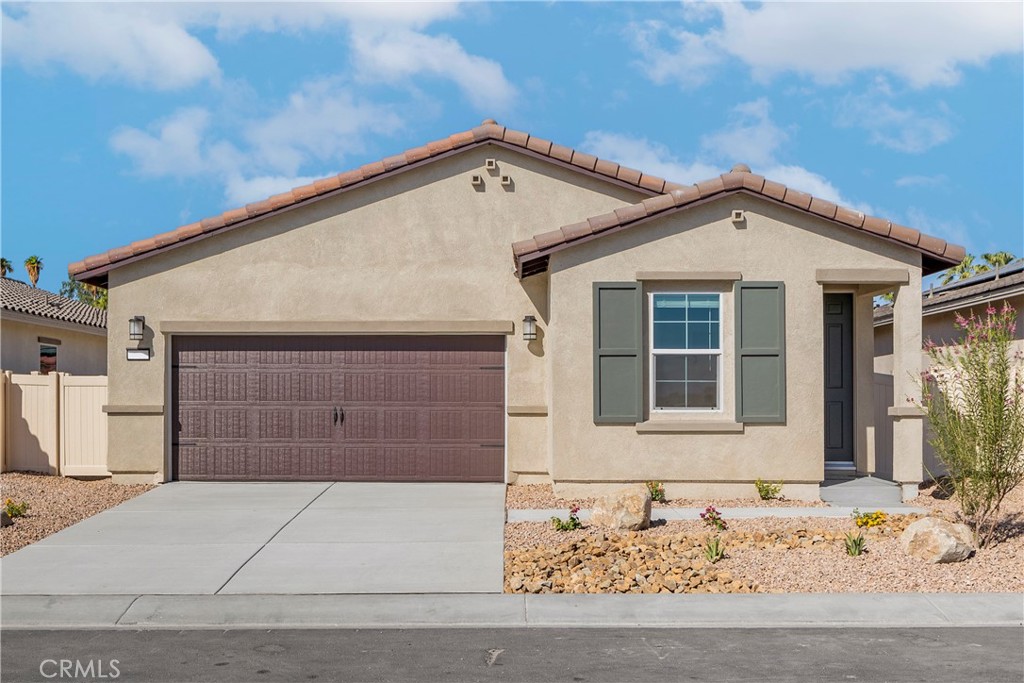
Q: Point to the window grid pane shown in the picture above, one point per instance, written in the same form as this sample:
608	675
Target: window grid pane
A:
686	381
686	322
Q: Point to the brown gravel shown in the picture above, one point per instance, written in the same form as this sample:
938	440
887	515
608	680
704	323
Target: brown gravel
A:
823	568
542	497
56	503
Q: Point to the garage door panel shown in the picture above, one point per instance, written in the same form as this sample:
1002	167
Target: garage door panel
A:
409	408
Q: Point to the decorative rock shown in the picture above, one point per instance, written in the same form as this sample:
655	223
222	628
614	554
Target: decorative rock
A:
629	510
937	541
5	519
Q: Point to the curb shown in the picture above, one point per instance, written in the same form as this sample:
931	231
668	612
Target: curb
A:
798	610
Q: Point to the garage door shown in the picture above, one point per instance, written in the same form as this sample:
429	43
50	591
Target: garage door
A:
338	408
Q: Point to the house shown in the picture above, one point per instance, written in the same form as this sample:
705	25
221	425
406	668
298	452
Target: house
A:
44	332
495	307
940	307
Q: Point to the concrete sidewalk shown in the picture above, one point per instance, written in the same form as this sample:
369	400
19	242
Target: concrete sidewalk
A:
676	514
827	610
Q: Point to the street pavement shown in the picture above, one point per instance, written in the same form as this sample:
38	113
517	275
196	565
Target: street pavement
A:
935	655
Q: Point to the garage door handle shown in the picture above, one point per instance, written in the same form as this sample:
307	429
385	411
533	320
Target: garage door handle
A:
335	414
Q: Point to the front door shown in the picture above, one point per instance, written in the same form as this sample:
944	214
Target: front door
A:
839	380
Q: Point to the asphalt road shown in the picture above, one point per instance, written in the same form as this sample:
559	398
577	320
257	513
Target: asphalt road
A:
979	655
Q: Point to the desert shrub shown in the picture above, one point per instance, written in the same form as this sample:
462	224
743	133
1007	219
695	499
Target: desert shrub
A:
855	544
973	395
869	519
657	490
768	490
714	549
15	509
713	518
570	524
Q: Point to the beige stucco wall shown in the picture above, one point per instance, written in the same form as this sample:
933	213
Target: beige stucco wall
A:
79	353
773	244
424	245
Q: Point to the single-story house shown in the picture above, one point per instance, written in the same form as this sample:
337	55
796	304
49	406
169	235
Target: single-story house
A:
495	307
940	307
45	332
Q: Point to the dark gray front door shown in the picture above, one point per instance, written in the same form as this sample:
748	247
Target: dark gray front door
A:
839	379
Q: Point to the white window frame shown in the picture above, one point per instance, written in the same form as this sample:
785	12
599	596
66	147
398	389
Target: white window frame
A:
651	353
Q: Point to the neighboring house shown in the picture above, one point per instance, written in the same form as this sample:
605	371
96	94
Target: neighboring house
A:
44	332
379	324
940	307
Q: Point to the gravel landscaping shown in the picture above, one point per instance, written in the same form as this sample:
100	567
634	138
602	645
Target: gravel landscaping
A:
762	555
542	497
56	503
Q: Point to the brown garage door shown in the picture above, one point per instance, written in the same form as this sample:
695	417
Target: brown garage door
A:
339	408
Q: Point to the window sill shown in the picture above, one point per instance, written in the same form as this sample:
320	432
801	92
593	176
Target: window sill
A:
689	426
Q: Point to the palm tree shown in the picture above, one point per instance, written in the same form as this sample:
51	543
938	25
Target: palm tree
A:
997	260
961	271
34	265
5	267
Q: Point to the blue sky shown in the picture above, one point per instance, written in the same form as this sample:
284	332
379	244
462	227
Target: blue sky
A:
123	120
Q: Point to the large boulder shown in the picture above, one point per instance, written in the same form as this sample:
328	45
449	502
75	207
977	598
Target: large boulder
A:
937	541
629	510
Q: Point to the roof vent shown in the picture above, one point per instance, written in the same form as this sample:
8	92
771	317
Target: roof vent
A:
741	168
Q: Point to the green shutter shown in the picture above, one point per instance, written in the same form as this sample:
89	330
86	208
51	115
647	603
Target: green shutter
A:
760	351
618	352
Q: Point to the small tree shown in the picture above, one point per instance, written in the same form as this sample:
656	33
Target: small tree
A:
5	267
973	394
33	265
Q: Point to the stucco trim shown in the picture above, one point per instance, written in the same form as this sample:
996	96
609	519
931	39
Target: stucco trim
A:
133	410
505	327
687	426
696	275
862	276
910	411
521	411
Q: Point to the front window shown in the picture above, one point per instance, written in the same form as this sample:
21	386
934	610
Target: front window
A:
47	359
686	351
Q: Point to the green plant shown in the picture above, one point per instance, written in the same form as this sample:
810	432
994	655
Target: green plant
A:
33	266
855	545
713	518
973	395
15	509
568	524
657	490
768	490
714	549
868	519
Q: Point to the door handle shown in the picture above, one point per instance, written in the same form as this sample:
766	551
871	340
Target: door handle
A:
342	409
335	414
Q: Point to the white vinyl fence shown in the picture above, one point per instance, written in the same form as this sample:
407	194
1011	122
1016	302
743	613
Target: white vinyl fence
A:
54	424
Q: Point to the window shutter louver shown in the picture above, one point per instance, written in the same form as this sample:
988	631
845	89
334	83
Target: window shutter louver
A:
760	352
618	352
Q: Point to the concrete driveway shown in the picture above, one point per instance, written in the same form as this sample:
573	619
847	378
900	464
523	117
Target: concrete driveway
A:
275	538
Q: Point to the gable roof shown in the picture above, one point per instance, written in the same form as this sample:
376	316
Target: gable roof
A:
971	291
531	256
94	269
19	297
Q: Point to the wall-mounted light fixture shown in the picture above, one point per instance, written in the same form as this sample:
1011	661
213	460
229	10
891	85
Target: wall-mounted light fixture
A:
529	328
137	327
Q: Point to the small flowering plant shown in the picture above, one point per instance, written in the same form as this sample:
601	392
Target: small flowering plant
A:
657	490
568	524
713	518
15	509
973	395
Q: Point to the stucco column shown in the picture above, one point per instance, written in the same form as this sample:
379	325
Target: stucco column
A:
908	423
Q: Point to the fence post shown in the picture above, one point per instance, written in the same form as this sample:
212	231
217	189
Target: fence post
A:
57	380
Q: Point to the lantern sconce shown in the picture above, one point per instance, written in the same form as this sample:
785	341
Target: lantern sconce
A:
529	328
136	328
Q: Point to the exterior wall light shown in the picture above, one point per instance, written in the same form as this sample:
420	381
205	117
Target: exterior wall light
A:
529	328
136	328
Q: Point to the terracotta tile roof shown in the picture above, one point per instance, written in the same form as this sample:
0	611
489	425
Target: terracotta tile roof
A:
531	255
966	293
94	268
19	297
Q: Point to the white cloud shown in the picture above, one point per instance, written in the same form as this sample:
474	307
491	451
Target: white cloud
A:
902	129
322	123
101	41
950	229
394	55
644	155
752	137
921	180
924	43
